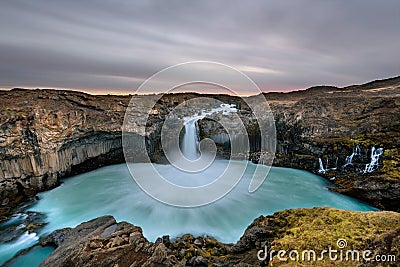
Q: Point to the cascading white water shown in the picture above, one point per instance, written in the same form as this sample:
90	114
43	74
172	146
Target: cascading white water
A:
7	250
349	159
321	166
373	165
370	167
190	140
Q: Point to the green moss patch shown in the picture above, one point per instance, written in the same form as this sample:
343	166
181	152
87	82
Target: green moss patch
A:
320	228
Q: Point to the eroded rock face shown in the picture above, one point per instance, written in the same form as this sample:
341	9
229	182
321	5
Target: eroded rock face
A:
104	242
46	135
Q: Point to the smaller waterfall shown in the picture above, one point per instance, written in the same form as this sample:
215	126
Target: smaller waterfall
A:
349	159
373	165
321	166
326	169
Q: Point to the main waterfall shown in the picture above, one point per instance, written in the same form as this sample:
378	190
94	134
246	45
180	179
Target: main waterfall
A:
190	140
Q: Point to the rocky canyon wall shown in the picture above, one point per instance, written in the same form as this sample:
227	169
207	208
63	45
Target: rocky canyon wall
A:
348	135
47	134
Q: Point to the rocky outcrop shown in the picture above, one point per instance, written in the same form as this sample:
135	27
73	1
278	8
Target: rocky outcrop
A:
104	242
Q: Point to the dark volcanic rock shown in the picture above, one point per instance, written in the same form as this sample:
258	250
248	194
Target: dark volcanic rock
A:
88	245
103	242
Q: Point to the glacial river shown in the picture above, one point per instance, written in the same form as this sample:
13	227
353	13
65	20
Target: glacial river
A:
112	191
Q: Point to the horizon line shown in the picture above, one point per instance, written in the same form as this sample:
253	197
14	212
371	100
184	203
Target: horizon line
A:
119	92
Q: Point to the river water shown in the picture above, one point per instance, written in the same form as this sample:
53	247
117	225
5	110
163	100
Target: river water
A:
112	191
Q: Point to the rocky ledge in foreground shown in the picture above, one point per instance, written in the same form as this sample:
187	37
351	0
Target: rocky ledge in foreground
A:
104	242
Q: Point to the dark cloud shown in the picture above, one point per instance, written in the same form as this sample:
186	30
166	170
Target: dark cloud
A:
114	45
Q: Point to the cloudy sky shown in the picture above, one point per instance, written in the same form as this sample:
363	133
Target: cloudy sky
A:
113	46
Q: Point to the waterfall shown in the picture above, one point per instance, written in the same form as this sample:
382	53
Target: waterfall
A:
321	166
190	140
326	169
349	159
373	165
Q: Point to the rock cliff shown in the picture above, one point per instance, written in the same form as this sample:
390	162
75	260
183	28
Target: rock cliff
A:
350	135
46	135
